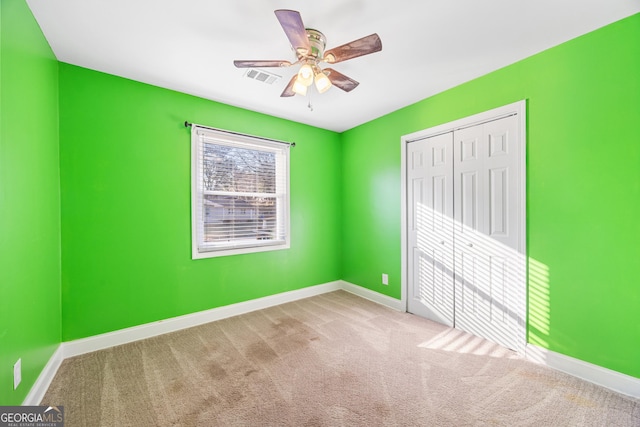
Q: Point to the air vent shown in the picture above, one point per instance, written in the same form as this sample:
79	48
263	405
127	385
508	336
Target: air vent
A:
262	76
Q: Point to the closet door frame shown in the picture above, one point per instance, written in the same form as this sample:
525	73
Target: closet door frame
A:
517	108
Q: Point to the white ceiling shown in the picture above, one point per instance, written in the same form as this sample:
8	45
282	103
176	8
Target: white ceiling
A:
428	45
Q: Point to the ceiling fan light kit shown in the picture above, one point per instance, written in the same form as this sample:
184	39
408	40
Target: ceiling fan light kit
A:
309	47
305	75
299	88
323	83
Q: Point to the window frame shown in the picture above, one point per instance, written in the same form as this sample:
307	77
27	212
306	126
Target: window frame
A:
201	135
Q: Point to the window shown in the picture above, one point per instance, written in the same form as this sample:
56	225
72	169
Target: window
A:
240	193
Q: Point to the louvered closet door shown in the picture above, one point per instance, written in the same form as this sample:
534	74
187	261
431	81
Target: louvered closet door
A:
430	228
489	265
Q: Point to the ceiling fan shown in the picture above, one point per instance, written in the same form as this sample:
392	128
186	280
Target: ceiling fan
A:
308	45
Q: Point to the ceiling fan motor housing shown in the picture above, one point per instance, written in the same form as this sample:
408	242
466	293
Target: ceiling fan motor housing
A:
318	42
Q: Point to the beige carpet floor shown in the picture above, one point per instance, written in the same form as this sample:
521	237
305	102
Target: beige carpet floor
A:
331	360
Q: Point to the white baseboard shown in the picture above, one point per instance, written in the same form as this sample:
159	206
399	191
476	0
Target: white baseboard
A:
596	374
365	293
148	330
123	336
44	379
604	377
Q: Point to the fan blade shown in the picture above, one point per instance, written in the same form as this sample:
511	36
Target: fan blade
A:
360	47
257	64
340	81
288	91
293	27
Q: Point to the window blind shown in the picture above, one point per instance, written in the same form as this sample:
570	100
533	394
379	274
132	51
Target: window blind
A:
241	192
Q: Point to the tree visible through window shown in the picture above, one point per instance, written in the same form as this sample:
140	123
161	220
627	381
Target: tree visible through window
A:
240	194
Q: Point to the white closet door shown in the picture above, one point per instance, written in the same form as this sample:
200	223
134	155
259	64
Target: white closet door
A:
430	228
489	265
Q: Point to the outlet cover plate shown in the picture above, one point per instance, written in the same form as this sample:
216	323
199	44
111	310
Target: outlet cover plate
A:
385	279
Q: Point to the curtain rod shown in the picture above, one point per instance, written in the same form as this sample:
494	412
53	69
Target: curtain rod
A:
187	124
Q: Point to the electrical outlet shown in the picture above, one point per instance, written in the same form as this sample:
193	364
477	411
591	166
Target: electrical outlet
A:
17	374
385	279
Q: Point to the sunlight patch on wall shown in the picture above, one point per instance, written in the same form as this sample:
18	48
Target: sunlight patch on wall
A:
539	307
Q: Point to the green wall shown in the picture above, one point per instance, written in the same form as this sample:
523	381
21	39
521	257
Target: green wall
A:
95	203
29	200
583	195
125	186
